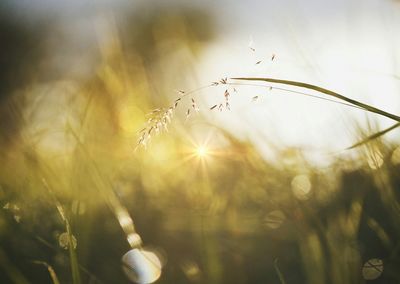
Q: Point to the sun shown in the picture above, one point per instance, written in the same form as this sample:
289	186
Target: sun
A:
201	151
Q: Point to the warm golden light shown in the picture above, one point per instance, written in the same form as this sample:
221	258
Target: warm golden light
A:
201	151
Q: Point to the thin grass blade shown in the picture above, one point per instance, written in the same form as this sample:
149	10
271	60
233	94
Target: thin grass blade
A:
326	92
374	136
50	269
278	271
76	279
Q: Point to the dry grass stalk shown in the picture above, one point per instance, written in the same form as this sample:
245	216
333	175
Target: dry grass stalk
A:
160	118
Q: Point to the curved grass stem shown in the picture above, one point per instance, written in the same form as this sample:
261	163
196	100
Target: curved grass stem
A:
326	92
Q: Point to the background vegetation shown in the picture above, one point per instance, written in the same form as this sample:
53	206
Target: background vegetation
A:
68	164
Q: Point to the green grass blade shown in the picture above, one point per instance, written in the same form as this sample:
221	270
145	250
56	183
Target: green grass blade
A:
278	271
326	92
76	278
50	269
374	136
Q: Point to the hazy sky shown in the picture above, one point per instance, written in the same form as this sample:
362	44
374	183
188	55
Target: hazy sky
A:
349	46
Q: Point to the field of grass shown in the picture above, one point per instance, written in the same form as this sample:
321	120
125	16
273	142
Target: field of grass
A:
95	167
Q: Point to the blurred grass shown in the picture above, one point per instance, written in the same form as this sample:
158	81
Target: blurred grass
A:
223	220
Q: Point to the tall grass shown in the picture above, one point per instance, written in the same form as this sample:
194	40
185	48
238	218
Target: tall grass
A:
226	218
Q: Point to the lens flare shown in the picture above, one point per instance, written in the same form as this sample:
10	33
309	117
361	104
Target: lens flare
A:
201	151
